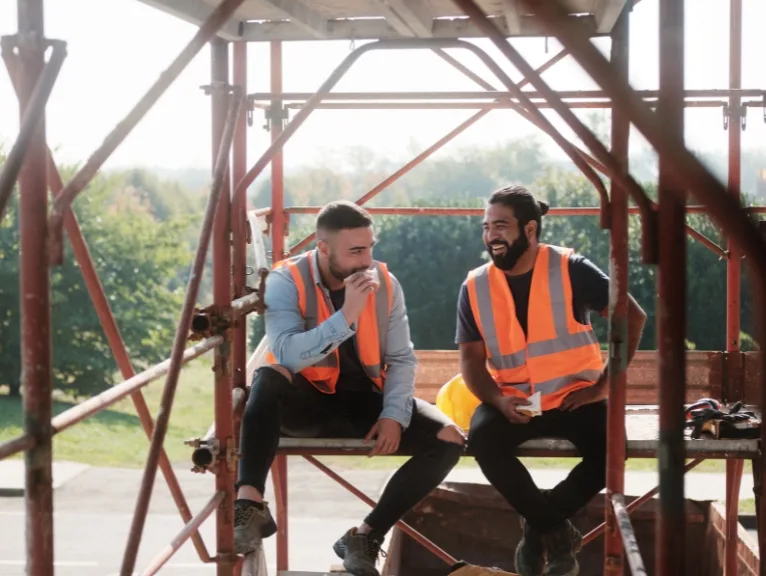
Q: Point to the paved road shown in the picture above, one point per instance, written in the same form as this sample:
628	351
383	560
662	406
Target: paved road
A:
94	511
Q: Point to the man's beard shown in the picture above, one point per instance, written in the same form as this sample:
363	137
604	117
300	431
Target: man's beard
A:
339	273
512	254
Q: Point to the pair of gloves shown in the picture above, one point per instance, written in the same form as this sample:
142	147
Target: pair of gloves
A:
707	417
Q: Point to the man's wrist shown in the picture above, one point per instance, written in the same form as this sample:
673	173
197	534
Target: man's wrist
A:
350	320
495	398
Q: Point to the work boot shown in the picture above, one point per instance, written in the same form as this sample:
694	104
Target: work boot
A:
359	552
561	546
530	553
252	523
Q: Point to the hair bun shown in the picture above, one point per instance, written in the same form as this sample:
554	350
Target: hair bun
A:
543	207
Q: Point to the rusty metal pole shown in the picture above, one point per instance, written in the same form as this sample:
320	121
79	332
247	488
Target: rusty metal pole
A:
222	292
417	160
278	229
618	311
33	114
725	210
734	468
671	305
239	222
217	18
34	281
181	336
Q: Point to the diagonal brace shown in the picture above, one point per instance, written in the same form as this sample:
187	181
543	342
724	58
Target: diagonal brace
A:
217	18
109	325
33	114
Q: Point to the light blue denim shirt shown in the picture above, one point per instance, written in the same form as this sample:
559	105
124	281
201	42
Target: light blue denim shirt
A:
296	348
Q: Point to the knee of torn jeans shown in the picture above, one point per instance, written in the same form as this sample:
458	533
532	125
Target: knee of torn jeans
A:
452	433
277	368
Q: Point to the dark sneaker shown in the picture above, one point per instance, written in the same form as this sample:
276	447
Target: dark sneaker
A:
252	523
359	553
561	546
530	553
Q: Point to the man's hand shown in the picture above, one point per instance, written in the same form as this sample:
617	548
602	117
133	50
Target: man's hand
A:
583	396
388	433
358	288
507	405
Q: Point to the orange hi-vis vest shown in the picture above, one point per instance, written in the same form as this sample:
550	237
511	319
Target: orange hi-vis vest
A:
315	306
558	354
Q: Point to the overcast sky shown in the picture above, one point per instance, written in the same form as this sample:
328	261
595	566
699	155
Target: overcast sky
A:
117	48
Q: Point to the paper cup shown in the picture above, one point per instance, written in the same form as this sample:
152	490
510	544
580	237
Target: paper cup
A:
374	276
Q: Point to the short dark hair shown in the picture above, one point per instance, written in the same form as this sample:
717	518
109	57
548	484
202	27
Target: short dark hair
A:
342	215
525	206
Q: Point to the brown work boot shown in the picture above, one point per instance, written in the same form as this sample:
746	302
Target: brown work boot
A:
359	552
530	553
561	546
252	523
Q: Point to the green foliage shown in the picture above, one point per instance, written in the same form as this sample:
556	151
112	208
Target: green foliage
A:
431	255
141	229
140	260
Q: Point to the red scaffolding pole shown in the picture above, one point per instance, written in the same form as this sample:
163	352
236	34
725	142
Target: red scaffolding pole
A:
36	354
618	313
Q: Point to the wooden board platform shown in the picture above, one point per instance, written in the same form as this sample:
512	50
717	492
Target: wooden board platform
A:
264	20
707	374
642	429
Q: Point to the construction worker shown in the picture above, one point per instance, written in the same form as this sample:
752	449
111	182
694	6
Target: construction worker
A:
523	327
341	364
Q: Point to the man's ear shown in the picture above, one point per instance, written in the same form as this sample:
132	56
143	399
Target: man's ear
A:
531	230
323	247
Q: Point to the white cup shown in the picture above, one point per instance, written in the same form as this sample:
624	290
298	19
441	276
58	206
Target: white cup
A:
374	276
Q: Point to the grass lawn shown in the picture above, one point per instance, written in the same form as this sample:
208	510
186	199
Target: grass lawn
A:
115	437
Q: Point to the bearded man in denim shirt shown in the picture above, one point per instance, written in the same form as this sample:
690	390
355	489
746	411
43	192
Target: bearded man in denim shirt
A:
341	365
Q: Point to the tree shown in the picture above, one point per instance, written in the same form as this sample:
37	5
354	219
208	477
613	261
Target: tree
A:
137	258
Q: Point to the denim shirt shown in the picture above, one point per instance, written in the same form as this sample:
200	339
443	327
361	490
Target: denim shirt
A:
296	348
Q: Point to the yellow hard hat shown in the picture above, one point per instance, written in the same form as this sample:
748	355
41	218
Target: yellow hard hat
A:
457	401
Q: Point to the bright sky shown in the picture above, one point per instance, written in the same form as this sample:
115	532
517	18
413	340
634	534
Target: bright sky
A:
114	59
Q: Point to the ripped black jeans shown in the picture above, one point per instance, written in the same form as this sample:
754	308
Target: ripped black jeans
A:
493	440
276	407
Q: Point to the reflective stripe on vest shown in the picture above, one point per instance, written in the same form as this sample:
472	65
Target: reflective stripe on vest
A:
559	354
315	308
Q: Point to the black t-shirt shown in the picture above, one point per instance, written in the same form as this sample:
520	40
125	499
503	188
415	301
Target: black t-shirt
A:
590	292
352	374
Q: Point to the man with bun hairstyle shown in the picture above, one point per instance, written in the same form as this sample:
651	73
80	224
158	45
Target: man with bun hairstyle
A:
524	331
341	365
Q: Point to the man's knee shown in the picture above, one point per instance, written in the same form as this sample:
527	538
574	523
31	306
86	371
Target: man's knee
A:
451	444
268	381
483	426
452	433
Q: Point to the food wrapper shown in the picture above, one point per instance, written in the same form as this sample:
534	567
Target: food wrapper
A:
372	273
533	408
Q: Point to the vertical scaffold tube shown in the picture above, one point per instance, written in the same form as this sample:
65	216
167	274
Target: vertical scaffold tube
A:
34	284
618	310
278	226
671	304
224	480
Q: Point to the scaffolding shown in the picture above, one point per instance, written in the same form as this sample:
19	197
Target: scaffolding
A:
435	25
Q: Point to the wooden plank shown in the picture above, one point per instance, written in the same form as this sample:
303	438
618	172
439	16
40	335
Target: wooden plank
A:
381	29
704	375
753	375
642	433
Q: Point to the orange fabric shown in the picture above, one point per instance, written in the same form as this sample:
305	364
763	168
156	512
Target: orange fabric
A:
559	355
324	374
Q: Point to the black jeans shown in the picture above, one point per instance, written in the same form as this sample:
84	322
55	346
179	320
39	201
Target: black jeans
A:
493	440
276	406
